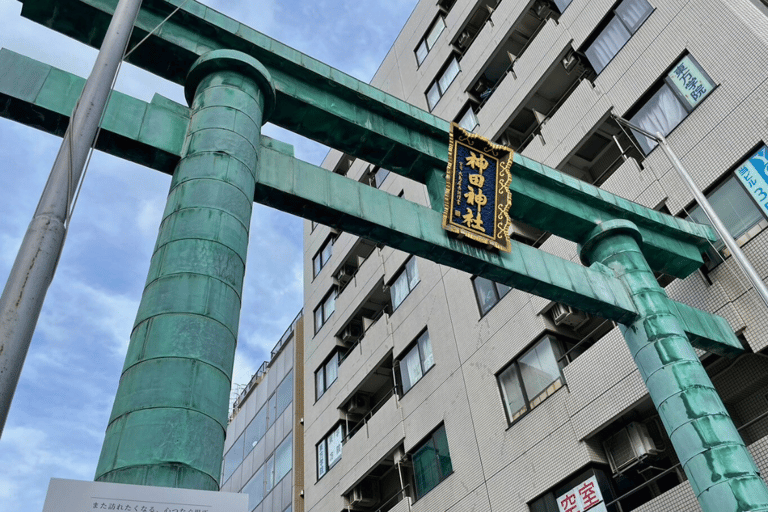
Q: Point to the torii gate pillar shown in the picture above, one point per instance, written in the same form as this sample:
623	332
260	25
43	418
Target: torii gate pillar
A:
719	467
177	376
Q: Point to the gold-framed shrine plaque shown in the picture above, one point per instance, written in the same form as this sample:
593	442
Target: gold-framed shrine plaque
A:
477	195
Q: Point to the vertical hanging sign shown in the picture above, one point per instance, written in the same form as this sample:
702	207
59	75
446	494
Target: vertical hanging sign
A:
753	174
477	195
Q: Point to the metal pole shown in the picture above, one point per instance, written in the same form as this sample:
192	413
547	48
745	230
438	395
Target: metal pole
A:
736	251
701	200
39	253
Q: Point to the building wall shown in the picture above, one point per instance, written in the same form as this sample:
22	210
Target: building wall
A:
241	473
497	466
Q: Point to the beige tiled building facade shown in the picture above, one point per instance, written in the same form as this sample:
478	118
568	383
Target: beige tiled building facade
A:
427	389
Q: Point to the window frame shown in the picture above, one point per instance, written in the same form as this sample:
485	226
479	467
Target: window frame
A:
431	438
416	345
404	271
425	39
470	107
323	368
498	294
320	255
322	306
747	234
613	14
440	75
662	82
559	361
564	8
324	442
380	171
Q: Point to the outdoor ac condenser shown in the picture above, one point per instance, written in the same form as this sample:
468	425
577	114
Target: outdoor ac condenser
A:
629	446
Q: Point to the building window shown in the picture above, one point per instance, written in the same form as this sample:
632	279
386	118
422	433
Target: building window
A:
488	293
256	430
379	176
284	394
432	462
329	450
324	311
736	206
416	362
322	256
467	118
562	5
233	458
404	283
627	18
680	92
284	458
255	489
530	379
429	40
444	80
326	375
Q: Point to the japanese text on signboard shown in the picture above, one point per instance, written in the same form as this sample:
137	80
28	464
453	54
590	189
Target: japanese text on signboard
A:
583	497
753	174
477	196
690	80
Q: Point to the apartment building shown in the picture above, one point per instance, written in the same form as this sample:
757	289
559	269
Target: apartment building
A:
429	389
263	452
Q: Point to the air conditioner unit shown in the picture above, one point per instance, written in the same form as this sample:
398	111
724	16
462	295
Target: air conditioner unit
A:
629	446
569	61
351	333
344	275
463	40
360	404
565	315
542	10
365	494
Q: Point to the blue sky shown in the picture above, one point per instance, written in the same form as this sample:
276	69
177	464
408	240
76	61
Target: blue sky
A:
59	414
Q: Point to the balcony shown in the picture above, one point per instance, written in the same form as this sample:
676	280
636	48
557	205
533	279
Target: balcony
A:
373	450
517	40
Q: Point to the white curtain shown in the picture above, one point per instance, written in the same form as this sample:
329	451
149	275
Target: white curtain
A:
410	368
448	75
425	345
662	113
607	44
334	446
633	13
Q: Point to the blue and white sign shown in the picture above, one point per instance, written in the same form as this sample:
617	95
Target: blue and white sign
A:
753	174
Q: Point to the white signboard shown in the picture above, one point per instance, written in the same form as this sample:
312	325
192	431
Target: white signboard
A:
690	81
583	497
753	174
78	496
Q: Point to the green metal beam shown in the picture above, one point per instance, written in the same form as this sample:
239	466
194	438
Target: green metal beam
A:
151	134
543	197
148	134
315	100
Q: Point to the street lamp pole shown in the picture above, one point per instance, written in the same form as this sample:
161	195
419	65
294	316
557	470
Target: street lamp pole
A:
702	201
35	264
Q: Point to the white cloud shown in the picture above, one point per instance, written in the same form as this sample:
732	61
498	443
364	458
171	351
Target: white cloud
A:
28	451
64	397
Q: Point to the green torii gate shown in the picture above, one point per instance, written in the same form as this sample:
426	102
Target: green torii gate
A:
179	362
